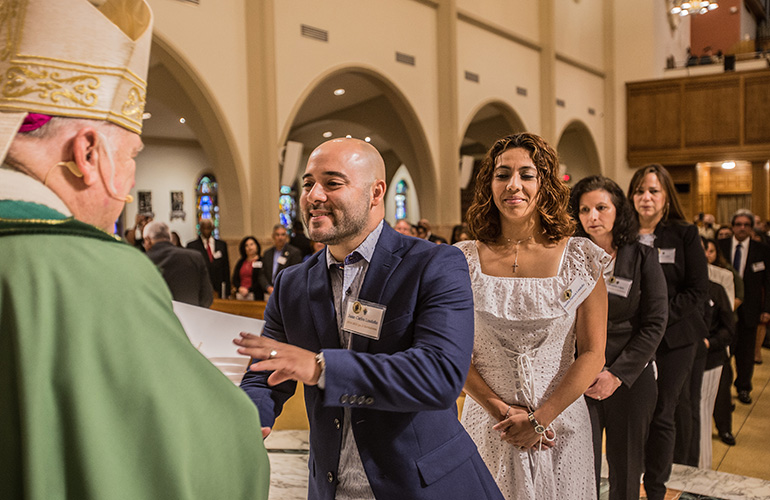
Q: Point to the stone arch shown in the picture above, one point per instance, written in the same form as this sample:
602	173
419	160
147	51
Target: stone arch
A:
383	113
577	151
488	121
174	81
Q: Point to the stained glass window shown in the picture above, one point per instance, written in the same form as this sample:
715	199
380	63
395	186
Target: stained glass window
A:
207	203
401	190
287	207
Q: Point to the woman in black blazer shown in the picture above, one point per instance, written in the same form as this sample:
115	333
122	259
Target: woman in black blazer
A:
622	398
662	225
247	270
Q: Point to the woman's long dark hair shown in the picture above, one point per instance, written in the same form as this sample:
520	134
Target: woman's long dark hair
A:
673	210
720	260
626	226
552	197
242	247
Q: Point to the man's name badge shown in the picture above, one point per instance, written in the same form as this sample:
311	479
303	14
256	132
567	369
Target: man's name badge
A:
667	255
218	254
364	318
572	296
281	260
758	266
619	286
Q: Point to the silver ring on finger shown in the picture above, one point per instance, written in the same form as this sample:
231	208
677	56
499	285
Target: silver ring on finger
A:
273	354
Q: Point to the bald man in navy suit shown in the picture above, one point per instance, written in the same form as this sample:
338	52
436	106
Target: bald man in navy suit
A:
379	328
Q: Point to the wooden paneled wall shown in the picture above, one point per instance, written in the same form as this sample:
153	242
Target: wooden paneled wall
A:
711	118
701	118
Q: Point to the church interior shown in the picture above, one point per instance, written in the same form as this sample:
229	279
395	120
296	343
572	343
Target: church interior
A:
241	91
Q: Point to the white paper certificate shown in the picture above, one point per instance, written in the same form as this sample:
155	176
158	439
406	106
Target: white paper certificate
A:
212	333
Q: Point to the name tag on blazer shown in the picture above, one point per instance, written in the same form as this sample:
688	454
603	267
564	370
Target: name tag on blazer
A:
257	264
667	255
218	254
758	266
619	286
364	318
281	260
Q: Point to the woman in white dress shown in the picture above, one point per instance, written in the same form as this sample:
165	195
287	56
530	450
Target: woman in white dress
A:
538	294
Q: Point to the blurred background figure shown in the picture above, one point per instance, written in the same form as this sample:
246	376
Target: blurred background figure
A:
403	227
724	232
299	240
183	269
460	233
278	257
720	320
214	252
247	270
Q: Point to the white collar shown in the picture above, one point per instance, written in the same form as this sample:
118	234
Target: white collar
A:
17	186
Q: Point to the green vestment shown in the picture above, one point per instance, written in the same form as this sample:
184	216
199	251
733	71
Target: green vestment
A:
102	396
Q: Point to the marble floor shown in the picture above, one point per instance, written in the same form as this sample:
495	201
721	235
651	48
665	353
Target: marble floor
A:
288	461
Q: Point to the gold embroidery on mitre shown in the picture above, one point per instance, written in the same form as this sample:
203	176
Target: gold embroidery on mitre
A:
21	81
11	16
134	105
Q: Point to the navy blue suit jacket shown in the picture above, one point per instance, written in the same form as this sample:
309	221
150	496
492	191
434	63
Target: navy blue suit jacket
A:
401	388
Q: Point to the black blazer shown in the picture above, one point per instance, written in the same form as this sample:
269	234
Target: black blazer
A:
687	282
756	280
184	271
256	288
219	269
719	316
635	324
293	256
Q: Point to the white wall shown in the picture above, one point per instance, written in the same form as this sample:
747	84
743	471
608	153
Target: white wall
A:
502	65
579	31
365	33
211	37
748	24
580	91
165	168
519	16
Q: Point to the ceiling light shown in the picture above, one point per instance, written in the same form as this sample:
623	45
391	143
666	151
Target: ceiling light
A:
339	92
728	165
685	8
182	120
368	139
146	115
327	134
348	136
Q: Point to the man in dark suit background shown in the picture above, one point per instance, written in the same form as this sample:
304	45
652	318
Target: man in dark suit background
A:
183	269
379	328
277	258
214	252
752	261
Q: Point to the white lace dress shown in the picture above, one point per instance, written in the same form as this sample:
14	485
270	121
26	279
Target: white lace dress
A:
524	344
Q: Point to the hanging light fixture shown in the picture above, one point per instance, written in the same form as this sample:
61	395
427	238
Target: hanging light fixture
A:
690	7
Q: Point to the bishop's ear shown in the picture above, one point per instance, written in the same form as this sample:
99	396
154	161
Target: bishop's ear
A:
86	154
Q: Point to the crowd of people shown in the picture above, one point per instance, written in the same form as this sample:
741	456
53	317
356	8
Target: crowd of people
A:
564	315
644	382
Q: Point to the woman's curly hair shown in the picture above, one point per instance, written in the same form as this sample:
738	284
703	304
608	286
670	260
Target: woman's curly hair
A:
626	226
552	196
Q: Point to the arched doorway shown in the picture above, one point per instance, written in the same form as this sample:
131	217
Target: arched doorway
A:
490	122
184	137
577	151
371	108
